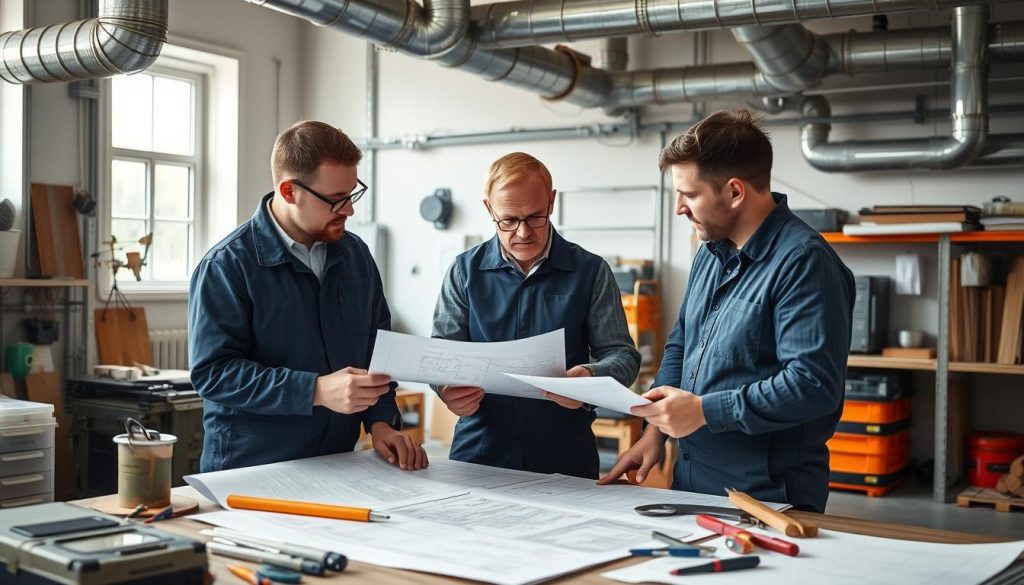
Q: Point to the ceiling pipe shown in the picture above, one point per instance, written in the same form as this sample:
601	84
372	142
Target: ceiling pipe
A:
790	57
424	31
532	22
438	31
126	37
968	114
855	52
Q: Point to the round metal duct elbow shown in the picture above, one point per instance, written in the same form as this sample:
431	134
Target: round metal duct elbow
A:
791	57
126	37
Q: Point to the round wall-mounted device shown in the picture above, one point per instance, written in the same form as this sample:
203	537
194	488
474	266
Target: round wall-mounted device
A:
437	208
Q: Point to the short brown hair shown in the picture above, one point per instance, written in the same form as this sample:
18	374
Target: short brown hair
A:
300	150
513	166
726	144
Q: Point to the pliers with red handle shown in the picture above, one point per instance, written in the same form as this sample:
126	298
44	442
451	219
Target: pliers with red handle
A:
742	541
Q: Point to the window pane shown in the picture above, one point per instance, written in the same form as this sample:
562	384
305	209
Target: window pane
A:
172	199
132	111
128	188
170	252
127	232
172	131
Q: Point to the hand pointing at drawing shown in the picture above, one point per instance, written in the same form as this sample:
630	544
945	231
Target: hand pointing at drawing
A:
462	400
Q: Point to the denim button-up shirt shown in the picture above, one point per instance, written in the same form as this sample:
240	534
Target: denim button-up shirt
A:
763	337
262	328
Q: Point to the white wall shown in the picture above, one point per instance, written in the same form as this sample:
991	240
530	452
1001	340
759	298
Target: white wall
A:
322	77
419	97
267	102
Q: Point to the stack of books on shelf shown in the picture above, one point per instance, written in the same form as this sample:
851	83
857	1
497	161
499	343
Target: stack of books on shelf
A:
915	219
1003	215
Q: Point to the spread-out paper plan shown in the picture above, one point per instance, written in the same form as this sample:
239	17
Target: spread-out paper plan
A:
409	358
453	518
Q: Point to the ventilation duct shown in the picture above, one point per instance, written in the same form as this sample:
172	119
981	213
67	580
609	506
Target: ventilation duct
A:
968	113
126	37
923	48
533	22
438	30
791	57
424	31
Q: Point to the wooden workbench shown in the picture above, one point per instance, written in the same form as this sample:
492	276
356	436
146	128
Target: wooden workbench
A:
374	575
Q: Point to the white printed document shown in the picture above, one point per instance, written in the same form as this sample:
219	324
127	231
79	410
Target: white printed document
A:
409	358
603	391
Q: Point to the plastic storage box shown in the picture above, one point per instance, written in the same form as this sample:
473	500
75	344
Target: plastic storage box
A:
26	452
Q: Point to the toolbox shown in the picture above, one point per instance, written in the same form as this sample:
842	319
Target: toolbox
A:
876	412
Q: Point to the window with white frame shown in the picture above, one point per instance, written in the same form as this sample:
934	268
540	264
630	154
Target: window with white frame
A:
156	170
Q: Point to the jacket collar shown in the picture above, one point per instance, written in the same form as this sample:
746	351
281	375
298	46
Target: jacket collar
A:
270	250
560	257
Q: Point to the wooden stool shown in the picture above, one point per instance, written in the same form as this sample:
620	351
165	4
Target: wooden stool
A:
626	430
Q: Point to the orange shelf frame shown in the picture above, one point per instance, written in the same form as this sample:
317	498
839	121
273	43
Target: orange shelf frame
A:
958	237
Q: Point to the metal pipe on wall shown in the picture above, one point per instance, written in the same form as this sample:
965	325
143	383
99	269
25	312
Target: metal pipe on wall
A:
968	113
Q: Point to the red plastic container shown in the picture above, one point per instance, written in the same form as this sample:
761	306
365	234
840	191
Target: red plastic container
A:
989	456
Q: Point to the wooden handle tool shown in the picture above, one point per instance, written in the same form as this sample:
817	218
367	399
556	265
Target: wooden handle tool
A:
776	520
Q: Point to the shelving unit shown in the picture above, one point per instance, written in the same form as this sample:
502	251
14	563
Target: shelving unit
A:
75	357
945	477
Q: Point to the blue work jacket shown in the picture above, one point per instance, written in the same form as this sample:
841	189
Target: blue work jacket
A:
523	433
763	337
262	328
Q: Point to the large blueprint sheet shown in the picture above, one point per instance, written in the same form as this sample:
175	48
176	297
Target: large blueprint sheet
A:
408	358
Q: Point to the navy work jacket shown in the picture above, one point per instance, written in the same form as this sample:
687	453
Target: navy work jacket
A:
262	328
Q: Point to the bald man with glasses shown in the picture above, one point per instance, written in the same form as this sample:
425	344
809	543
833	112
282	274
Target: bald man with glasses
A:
527	280
283	315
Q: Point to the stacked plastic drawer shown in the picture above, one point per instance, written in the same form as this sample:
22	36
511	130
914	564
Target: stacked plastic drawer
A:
26	452
870	451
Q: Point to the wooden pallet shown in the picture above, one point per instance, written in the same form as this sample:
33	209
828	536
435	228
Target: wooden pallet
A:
977	495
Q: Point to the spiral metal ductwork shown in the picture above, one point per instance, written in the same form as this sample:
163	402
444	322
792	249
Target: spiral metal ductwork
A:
532	22
790	57
126	37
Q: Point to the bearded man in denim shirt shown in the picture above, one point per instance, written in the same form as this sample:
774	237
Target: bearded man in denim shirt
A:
751	383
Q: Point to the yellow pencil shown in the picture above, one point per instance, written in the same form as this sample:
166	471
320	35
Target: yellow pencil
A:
304	508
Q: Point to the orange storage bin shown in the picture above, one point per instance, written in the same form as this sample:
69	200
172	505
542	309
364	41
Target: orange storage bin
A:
869	444
882	464
644	311
876	412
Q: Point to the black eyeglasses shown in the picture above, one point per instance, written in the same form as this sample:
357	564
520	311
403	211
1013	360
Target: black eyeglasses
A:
512	224
336	204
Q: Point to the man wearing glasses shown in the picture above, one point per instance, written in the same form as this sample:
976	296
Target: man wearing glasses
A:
525	281
283	315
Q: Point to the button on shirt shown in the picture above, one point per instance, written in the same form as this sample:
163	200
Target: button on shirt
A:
763	337
314	258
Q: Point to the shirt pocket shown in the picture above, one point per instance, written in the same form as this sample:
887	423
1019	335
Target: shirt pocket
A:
356	297
738	334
